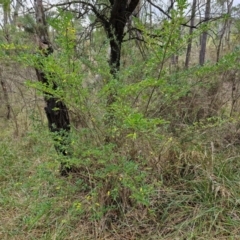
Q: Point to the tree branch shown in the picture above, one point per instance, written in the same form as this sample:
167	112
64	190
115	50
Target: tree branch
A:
134	38
160	9
93	8
132	5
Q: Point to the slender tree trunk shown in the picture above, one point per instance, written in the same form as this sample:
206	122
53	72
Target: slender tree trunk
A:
226	26
220	41
5	18
204	35
174	58
56	110
6	5
189	47
16	10
5	95
229	23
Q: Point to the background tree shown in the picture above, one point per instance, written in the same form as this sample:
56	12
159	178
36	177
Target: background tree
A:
6	6
192	20
203	39
225	30
18	5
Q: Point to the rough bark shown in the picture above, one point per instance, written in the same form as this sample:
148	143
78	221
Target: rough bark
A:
56	110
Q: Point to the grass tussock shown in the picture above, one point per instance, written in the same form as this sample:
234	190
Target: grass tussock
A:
189	189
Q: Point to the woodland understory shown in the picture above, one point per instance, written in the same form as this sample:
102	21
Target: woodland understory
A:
119	119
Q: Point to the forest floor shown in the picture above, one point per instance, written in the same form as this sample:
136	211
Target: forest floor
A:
37	203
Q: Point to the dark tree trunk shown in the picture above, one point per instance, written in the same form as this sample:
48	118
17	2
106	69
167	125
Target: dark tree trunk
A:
114	63
115	31
119	16
58	122
56	111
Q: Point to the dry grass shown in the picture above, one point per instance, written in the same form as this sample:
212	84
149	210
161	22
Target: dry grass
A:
197	197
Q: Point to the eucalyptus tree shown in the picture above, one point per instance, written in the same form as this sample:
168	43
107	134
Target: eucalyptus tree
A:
56	110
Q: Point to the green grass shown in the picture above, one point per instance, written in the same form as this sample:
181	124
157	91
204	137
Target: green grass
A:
36	203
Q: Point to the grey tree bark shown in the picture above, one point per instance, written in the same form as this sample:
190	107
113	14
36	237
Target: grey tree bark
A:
225	29
203	40
18	5
189	47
